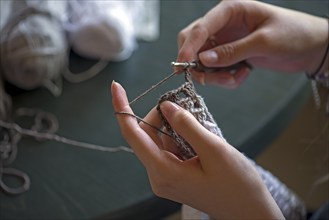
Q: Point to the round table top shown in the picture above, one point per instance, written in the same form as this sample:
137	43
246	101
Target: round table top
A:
68	182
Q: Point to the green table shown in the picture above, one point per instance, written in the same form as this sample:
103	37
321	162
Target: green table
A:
74	183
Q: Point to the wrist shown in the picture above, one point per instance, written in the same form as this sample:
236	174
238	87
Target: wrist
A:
319	68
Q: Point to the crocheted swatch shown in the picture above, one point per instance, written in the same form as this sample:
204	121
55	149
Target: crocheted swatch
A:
186	97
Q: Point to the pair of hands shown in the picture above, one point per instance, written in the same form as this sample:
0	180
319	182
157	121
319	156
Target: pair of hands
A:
219	180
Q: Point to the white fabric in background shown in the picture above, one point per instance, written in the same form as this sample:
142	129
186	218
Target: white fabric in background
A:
100	30
108	30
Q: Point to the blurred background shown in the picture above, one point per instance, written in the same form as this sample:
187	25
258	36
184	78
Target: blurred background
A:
61	57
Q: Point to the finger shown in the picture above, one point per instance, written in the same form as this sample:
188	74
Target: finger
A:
233	52
195	36
186	125
183	34
163	140
191	44
209	43
144	147
169	144
226	79
241	75
154	119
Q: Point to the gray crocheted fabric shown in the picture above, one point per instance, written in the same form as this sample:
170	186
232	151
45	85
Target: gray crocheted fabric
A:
185	96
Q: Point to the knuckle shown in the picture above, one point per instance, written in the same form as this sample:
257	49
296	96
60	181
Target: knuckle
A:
264	38
182	118
199	29
183	54
227	53
182	35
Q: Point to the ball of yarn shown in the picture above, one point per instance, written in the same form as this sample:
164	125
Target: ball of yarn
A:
101	30
33	49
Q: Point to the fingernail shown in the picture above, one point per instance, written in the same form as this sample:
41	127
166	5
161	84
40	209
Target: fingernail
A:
169	108
113	84
209	56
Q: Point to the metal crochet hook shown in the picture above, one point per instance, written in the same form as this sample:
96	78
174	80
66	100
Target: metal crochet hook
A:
199	67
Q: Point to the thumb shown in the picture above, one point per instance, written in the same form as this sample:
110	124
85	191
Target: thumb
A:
231	53
185	124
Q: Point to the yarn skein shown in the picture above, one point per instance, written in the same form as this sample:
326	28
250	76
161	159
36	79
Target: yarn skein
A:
34	50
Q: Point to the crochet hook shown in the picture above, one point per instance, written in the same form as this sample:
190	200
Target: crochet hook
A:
198	66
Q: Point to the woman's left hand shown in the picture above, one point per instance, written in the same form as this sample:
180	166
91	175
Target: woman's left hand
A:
219	180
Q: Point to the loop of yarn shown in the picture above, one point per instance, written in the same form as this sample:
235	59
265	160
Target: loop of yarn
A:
8	154
43	128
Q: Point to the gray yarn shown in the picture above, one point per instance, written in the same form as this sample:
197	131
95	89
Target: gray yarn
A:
289	203
185	96
33	50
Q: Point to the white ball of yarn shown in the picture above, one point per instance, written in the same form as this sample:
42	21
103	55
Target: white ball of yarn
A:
101	30
33	49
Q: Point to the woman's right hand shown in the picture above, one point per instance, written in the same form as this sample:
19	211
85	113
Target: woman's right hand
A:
264	35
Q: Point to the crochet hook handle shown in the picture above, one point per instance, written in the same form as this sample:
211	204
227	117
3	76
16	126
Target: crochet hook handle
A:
198	66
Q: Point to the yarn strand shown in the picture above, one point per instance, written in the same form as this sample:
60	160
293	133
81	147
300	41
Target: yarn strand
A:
155	86
57	138
145	122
